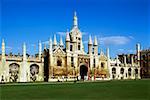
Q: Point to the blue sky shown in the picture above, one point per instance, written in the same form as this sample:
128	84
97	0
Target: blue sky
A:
118	24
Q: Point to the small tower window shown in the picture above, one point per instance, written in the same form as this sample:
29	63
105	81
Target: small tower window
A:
79	47
70	47
94	62
113	70
102	65
122	71
72	64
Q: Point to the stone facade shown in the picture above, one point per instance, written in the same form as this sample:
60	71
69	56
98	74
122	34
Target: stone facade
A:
20	68
145	63
66	62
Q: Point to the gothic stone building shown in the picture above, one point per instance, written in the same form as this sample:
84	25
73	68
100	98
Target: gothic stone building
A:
61	61
145	63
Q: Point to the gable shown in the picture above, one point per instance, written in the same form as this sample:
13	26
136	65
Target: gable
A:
102	57
59	51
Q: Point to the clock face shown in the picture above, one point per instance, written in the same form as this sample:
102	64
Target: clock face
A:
34	69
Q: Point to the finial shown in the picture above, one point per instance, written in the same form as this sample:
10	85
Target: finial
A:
55	41
75	13
75	20
3	41
90	40
61	41
50	39
67	36
95	41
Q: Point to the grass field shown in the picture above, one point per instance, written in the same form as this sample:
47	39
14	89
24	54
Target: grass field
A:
104	90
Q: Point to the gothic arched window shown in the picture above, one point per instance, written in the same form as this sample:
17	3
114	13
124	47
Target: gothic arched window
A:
59	62
129	71
113	70
122	71
102	65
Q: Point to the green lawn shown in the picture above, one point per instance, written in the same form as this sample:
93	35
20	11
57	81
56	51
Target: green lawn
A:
110	90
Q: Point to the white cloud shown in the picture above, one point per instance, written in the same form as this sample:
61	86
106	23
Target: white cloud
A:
130	51
115	40
131	37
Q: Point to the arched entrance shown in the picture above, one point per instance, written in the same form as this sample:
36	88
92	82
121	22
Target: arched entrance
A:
83	71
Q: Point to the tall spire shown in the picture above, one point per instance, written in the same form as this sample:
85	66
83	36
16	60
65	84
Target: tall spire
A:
40	50
75	20
23	74
45	46
3	48
107	53
50	46
90	40
24	51
95	41
67	36
55	42
61	42
138	53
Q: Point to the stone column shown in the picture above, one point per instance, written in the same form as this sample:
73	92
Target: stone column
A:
40	50
132	61
3	61
125	62
23	76
138	53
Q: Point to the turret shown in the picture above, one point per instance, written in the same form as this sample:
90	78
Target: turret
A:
24	52
107	53
117	61
108	61
50	46
95	46
40	50
3	49
67	41
61	42
75	20
44	46
55	42
90	45
138	53
74	42
125	59
23	74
